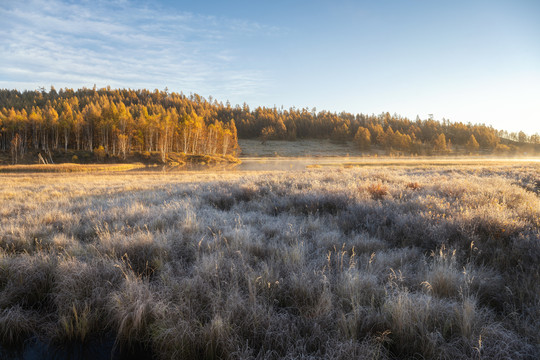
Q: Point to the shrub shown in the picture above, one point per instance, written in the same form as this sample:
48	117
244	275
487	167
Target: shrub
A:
100	152
414	186
377	191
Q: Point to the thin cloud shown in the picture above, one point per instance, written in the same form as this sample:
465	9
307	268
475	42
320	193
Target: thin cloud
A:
126	45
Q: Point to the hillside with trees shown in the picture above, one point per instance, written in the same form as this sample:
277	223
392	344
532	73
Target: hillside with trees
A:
114	123
390	133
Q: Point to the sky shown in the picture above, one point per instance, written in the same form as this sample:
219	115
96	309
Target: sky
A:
465	61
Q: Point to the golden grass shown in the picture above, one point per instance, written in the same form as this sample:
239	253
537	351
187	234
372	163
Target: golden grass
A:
67	168
427	162
377	191
390	262
349	162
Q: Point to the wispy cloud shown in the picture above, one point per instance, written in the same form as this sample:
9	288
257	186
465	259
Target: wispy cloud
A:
121	44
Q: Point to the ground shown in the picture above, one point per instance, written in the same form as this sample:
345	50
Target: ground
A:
422	261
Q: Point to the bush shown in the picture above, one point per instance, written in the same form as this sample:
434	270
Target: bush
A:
100	152
377	191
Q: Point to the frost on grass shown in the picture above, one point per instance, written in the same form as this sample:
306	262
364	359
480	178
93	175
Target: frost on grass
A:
366	263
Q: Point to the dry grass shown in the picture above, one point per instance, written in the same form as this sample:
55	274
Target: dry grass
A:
67	168
415	262
377	191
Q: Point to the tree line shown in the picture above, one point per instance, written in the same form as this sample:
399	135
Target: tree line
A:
112	122
119	121
384	131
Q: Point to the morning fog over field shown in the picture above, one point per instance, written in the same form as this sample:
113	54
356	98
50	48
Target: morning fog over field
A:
269	179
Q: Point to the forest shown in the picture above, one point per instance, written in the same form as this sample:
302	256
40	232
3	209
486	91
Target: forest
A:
116	122
392	133
112	123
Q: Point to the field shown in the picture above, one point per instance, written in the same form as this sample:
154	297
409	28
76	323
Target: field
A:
300	147
67	168
337	262
326	147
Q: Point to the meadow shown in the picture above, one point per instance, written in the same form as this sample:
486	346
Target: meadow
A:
377	262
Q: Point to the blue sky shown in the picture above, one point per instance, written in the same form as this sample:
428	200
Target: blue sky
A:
470	61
